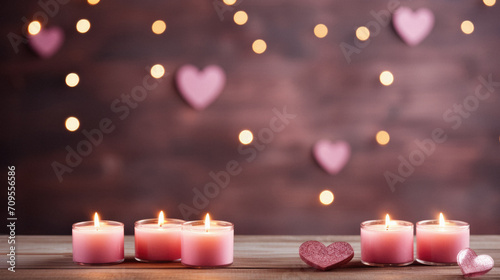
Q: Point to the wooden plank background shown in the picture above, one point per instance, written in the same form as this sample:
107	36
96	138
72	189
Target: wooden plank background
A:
164	149
262	257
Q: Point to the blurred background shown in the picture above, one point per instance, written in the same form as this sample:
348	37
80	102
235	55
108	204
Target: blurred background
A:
314	75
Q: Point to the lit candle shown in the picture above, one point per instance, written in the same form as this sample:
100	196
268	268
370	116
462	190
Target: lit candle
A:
386	243
440	241
158	239
207	243
97	242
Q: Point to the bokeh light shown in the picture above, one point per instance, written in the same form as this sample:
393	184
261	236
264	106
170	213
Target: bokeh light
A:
382	137
259	46
159	27
93	2
83	26
72	79
320	30
34	27
489	3
72	124
326	197
386	78
240	17
245	137
362	33
467	27
229	2
157	71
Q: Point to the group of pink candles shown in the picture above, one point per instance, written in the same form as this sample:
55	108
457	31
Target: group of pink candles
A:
390	242
203	243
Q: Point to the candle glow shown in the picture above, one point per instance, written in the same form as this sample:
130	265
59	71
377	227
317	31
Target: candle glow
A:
161	219
441	220
96	221
387	222
207	223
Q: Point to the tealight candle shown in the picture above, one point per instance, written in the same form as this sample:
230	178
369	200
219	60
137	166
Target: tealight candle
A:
158	239
440	241
207	243
386	243
97	242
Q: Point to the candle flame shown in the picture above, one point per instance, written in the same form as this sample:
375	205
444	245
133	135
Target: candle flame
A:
96	221
441	220
161	219
207	222
387	221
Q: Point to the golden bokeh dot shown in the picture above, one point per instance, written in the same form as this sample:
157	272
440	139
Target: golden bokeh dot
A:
245	137
159	27
362	33
259	46
83	25
240	17
386	78
72	79
72	124
489	3
320	30
93	2
382	137
467	27
229	2
326	197
34	27
157	71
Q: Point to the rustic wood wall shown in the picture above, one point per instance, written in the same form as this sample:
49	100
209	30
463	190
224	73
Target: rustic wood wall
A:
161	151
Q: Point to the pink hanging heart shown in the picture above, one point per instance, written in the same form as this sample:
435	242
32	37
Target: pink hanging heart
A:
473	265
200	88
411	26
315	254
47	42
332	156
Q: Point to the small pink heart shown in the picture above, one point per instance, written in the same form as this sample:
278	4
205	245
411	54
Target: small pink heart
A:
411	26
47	42
200	88
473	265
315	254
332	156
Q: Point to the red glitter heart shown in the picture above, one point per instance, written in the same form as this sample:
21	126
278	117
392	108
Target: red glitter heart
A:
315	254
473	265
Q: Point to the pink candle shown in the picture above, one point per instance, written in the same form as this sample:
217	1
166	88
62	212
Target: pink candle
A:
207	243
440	241
97	242
386	243
158	239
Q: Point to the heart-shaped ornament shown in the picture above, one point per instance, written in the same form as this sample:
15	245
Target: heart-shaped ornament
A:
200	88
332	157
47	42
411	26
473	265
315	254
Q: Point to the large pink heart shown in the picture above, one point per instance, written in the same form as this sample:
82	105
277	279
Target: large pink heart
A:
47	42
411	26
332	156
315	254
200	88
473	265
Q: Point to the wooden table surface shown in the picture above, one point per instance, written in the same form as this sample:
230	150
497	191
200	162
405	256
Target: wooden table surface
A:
255	257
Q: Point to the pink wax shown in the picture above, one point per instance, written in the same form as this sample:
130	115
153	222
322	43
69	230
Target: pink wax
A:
386	246
203	248
100	245
441	244
158	243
